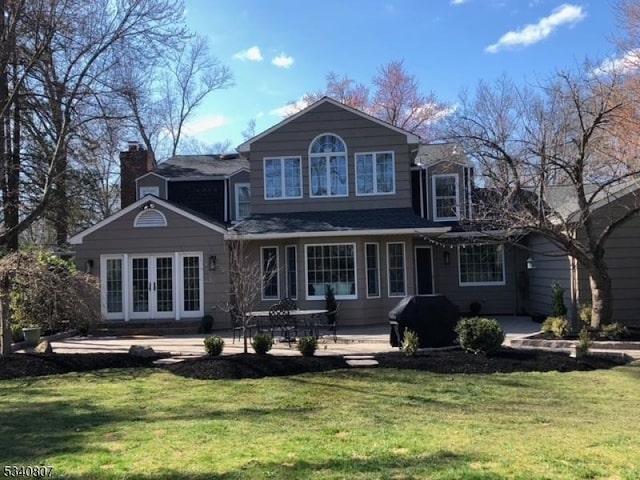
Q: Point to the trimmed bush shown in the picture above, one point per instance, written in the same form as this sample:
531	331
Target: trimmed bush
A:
261	343
410	343
206	324
213	346
307	346
480	335
584	341
614	331
585	313
558	308
557	326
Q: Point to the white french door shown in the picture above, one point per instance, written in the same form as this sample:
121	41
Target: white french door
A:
152	287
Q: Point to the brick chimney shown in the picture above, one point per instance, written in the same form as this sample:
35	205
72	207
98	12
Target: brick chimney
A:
135	162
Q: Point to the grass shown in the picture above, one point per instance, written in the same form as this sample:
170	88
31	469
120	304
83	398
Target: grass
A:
348	424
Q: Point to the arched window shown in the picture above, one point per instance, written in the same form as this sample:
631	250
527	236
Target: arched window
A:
328	167
149	218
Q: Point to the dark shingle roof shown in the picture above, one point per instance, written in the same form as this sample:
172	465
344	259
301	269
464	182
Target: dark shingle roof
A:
432	153
342	221
194	166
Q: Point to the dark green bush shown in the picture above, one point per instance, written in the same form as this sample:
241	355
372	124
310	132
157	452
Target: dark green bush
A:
16	334
213	346
410	343
261	343
558	326
206	324
480	335
558	308
614	331
307	346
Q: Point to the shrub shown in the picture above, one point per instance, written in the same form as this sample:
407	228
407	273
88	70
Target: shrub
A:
557	326
584	341
558	308
16	333
307	346
410	343
614	331
480	335
213	346
261	343
585	313
206	324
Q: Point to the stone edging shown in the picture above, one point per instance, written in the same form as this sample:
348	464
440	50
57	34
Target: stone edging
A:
567	344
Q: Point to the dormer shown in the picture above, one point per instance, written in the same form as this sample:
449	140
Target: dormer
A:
442	183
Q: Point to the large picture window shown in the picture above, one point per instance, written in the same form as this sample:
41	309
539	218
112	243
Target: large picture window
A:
481	265
282	178
328	167
396	270
445	197
375	173
333	265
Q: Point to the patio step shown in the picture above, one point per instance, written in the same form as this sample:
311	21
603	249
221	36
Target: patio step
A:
152	328
361	361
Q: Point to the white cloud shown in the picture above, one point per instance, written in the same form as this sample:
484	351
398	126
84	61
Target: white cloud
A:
282	61
204	124
458	2
623	64
536	32
289	109
251	54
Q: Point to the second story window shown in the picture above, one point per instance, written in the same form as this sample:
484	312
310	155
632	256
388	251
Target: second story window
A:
328	167
375	173
243	200
445	197
282	178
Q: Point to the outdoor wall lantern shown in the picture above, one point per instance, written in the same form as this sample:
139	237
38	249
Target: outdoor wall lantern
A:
447	257
148	205
530	264
88	266
212	262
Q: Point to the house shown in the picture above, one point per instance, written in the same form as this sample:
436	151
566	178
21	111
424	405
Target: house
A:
550	263
331	196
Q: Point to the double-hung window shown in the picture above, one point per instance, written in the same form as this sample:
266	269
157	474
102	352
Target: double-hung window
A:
282	178
375	173
270	281
481	265
445	197
396	269
328	167
373	271
243	200
331	265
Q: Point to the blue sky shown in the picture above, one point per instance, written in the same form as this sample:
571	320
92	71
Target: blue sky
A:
280	49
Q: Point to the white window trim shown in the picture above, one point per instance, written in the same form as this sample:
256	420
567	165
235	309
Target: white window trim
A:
103	287
306	272
404	270
282	178
238	186
148	190
366	268
435	198
292	295
375	178
326	156
179	296
482	284
262	272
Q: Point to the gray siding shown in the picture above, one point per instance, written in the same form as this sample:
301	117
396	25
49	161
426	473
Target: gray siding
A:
360	135
551	265
180	235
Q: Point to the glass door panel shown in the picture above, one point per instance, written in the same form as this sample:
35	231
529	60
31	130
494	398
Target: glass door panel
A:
164	284
140	285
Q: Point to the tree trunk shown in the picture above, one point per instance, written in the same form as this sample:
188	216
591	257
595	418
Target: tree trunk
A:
5	315
601	296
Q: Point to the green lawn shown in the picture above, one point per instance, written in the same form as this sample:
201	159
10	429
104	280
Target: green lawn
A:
355	424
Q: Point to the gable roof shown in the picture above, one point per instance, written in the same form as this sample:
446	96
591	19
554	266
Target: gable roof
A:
193	167
246	146
386	221
433	153
195	217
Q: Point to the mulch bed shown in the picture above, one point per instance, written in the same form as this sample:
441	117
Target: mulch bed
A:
238	366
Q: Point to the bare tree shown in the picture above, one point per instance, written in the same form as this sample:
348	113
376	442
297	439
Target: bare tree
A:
250	130
397	98
545	154
247	279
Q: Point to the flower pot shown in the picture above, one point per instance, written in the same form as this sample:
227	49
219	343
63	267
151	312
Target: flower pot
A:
31	336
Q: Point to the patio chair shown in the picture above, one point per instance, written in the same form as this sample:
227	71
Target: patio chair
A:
289	303
236	321
329	323
279	320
